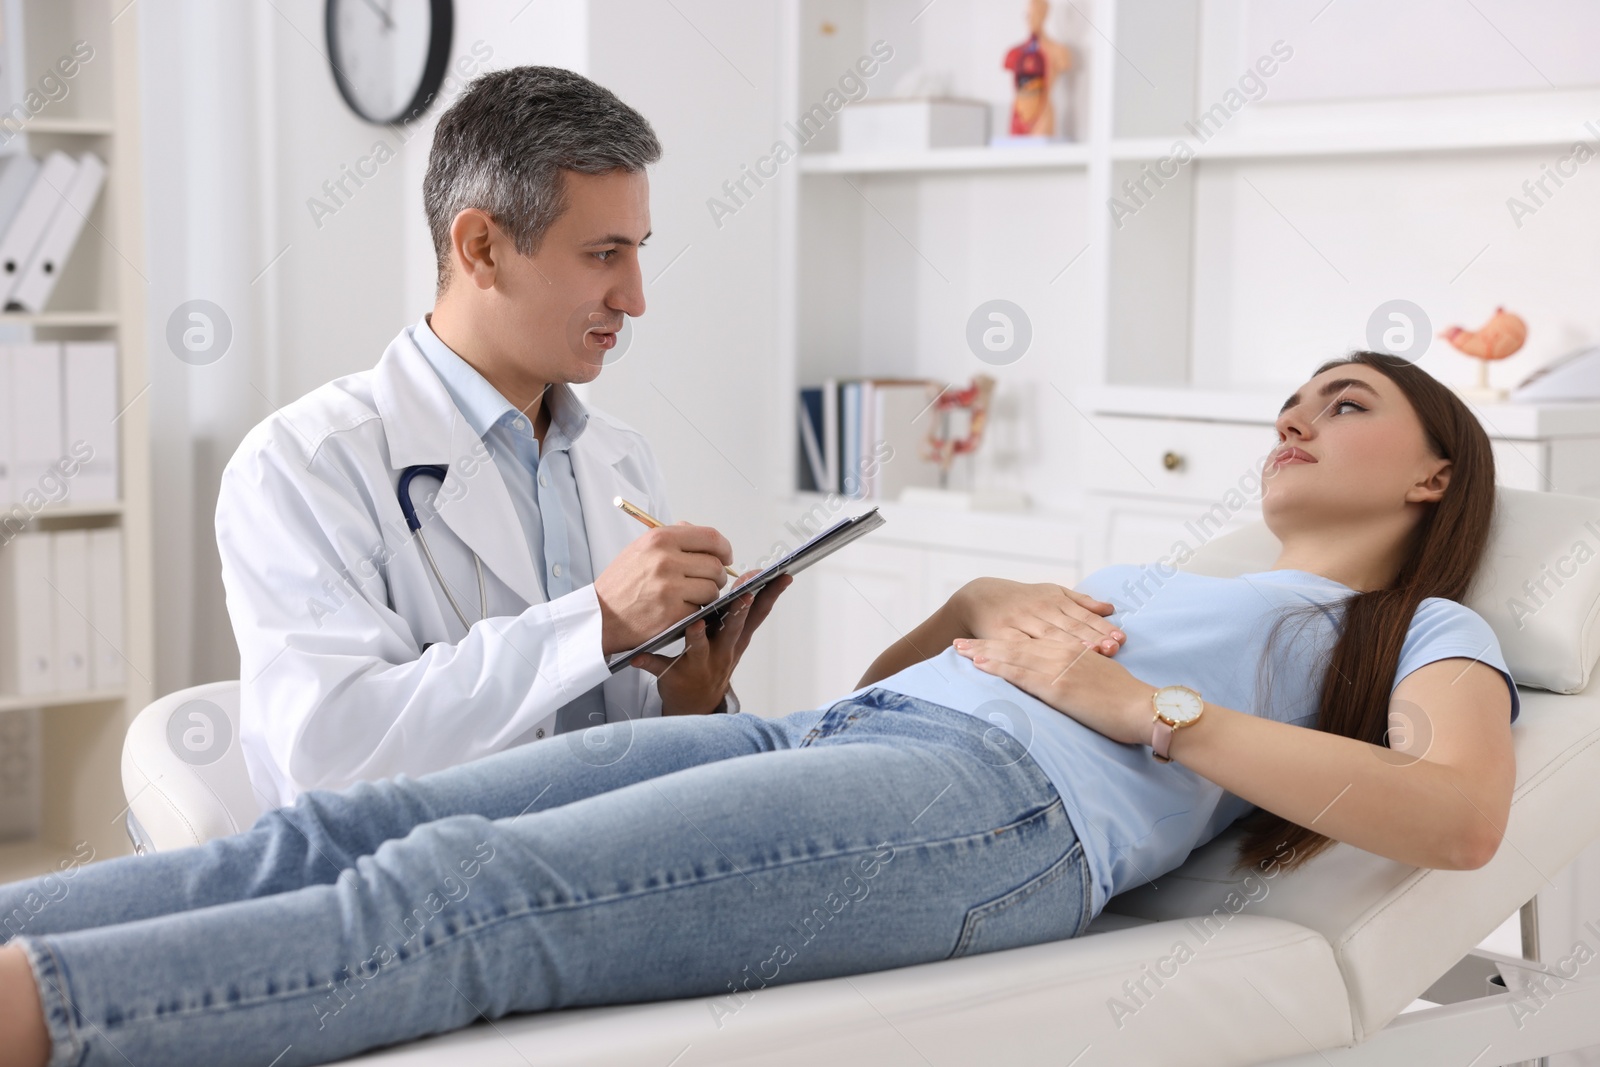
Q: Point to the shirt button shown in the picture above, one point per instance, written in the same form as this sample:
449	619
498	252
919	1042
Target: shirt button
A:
522	424
556	570
543	481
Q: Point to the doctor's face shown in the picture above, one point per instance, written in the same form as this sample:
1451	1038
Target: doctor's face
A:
568	299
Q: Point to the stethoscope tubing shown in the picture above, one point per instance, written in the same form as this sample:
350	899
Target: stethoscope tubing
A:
409	510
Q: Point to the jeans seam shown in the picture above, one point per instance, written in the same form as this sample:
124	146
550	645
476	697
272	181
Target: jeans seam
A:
976	917
66	1045
1086	877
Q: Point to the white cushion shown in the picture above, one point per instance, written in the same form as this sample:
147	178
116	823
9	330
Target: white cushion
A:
1260	989
1550	637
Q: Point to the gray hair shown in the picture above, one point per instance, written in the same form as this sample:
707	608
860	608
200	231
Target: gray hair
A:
503	146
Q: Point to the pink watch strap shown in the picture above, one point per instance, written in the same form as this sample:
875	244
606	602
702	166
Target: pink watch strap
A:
1161	740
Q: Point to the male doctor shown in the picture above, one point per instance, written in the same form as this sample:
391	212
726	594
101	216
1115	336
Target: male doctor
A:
359	657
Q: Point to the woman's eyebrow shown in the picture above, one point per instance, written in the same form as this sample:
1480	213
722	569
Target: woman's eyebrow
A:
1329	389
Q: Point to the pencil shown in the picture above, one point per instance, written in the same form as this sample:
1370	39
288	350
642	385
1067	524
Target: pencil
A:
652	522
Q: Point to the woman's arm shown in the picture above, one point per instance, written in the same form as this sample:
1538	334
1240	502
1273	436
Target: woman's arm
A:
1438	795
930	638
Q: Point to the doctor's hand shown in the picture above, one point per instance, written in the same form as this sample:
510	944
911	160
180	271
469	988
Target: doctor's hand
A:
997	608
695	681
662	575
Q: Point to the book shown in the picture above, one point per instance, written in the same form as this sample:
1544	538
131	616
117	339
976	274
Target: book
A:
813	475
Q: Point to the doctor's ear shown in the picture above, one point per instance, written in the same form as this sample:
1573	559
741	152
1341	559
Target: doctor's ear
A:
473	240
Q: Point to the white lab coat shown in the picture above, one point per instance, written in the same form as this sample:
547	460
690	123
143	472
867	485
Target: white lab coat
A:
333	602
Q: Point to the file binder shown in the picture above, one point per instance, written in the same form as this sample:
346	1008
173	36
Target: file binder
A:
36	420
106	662
69	552
90	372
8	492
33	216
38	279
27	617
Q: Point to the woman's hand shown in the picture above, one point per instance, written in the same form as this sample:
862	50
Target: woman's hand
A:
695	681
1062	673
997	608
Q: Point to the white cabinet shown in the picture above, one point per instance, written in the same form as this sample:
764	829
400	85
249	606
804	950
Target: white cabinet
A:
853	605
1158	478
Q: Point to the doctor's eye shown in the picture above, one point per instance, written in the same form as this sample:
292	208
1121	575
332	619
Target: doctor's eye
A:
605	254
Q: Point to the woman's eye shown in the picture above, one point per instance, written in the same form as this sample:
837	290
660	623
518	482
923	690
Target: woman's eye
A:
1342	403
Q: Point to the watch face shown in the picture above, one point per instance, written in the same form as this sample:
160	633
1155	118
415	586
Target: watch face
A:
1177	704
388	55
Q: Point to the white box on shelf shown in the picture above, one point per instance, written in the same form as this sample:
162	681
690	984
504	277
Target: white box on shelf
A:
69	564
912	125
27	617
90	395
21	774
105	608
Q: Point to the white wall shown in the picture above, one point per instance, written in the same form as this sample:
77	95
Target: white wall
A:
242	126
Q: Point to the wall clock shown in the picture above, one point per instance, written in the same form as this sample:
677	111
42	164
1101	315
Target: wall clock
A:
388	56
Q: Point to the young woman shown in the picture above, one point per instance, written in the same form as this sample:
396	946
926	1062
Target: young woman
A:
966	799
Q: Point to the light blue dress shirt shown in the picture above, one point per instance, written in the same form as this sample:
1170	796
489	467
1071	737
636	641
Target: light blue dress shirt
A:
541	483
1137	817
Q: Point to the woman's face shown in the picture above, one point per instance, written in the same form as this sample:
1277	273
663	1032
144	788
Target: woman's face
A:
1351	450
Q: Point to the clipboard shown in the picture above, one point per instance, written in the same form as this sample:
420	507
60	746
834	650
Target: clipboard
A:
820	546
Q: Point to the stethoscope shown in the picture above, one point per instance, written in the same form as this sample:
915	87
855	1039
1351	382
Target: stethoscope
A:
415	526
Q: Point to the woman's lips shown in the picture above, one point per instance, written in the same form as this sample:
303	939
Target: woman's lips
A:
1291	455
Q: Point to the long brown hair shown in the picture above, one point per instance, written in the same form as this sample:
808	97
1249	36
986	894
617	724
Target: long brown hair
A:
1446	547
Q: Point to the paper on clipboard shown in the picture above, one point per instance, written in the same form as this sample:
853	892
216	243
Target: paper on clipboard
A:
820	546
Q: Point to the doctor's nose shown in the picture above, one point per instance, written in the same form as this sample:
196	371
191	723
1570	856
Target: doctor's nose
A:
628	296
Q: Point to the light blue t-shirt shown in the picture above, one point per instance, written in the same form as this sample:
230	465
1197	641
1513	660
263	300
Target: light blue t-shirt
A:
1137	817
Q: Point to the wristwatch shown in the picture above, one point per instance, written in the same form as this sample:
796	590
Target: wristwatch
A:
1176	706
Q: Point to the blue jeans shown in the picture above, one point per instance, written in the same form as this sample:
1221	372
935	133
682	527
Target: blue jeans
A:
663	858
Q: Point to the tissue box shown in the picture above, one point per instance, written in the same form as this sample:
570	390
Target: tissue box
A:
913	125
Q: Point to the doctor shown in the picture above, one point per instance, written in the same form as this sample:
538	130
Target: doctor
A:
369	647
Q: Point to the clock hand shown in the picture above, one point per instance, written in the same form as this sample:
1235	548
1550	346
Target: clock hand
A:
388	23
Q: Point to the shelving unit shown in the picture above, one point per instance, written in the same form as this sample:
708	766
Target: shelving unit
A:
1259	257
100	296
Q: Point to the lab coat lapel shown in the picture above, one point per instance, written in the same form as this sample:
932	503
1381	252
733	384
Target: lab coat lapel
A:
423	426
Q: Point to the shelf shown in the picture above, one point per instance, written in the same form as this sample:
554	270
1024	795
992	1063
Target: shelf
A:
937	160
1346	143
72	511
76	127
1505	419
61	700
61	318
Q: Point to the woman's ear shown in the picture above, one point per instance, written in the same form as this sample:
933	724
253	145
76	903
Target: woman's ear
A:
472	240
1433	486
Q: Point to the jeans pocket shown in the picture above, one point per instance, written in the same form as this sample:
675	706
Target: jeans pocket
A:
1047	907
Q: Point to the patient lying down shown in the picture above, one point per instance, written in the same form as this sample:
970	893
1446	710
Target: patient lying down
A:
990	785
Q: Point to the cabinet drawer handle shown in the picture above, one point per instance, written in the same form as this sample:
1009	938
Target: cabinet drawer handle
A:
1171	460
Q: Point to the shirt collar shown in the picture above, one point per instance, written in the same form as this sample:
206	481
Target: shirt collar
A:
483	405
